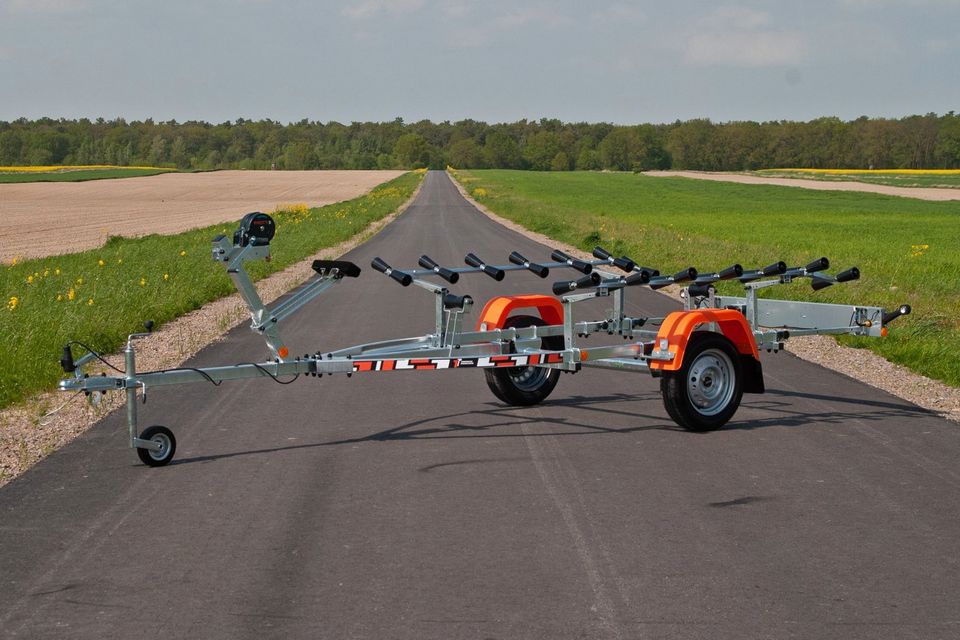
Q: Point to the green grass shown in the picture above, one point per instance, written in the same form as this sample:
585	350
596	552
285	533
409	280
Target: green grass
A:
112	299
671	223
80	175
893	180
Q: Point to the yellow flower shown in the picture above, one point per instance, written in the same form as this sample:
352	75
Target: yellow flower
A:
59	297
166	276
90	302
79	280
46	272
56	271
183	253
71	294
143	282
119	260
13	262
14	301
29	279
100	263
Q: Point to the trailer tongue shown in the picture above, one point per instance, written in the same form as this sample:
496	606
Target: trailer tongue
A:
706	355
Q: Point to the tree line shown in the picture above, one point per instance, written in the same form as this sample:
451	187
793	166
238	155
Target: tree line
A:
913	142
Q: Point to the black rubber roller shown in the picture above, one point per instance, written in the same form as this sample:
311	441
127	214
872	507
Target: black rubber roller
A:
403	278
623	263
579	265
493	272
451	301
698	290
774	269
427	263
733	271
538	269
566	286
818	265
687	274
637	277
850	274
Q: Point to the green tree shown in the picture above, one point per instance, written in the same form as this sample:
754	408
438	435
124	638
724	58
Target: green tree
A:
560	162
466	154
502	152
412	151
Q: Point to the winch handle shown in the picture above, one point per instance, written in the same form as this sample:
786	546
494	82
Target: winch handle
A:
403	278
890	316
427	263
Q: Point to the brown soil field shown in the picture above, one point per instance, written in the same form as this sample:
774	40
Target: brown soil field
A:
49	218
921	193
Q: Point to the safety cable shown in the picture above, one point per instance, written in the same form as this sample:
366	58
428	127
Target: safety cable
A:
96	355
275	378
57	410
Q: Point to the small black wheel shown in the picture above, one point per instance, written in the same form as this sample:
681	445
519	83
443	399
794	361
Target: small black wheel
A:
705	392
525	386
168	446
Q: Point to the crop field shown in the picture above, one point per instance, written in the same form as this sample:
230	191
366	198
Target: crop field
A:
930	178
906	249
105	293
43	219
75	173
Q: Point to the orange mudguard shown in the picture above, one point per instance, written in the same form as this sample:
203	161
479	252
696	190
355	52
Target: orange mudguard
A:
497	310
678	326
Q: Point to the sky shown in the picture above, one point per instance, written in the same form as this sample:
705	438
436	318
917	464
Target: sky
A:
496	61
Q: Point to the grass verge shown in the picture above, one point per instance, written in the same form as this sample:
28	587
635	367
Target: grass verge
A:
101	296
79	175
906	249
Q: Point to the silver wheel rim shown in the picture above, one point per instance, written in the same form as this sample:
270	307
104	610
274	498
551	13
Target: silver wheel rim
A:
528	378
164	442
710	382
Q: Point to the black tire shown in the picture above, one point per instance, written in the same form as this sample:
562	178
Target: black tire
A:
525	386
705	393
162	436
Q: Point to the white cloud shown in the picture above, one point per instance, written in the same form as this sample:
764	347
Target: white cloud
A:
373	8
742	37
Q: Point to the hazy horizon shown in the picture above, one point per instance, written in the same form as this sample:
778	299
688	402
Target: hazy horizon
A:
450	60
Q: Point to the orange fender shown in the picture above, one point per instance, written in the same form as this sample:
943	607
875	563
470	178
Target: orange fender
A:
678	326
496	311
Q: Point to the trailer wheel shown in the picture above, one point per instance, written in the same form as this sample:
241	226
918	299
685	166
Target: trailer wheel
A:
705	393
168	446
525	386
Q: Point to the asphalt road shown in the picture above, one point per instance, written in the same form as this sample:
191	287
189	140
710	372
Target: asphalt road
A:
415	505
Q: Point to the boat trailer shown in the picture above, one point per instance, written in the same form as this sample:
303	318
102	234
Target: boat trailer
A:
706	355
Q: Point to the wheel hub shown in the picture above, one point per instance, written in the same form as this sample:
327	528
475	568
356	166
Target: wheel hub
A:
710	382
